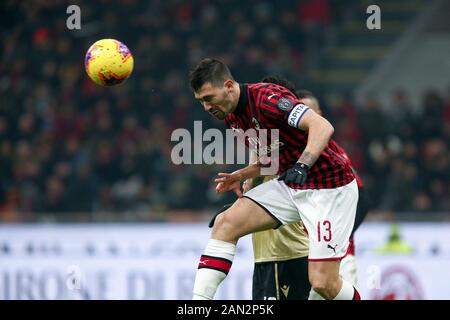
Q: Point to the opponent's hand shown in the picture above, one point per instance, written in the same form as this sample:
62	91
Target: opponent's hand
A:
297	174
229	182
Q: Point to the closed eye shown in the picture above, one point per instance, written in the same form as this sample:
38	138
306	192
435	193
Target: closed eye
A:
205	98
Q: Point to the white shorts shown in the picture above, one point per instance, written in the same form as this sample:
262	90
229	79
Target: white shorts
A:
327	214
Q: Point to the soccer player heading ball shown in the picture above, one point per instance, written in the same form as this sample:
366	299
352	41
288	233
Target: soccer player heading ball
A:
281	255
316	183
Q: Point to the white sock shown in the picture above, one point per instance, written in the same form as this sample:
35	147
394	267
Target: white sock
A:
213	268
348	292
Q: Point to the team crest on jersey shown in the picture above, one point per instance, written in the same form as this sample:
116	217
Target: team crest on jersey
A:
285	104
256	124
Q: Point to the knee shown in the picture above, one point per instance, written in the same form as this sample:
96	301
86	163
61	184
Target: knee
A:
220	222
224	228
319	285
324	285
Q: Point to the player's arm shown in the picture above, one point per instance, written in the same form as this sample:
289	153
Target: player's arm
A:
319	134
231	181
248	182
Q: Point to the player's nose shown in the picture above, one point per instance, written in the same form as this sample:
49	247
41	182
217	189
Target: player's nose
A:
207	107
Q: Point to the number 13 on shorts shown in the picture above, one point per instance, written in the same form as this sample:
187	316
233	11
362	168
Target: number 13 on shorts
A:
324	231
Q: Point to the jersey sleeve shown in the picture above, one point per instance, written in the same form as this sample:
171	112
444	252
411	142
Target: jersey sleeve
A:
279	105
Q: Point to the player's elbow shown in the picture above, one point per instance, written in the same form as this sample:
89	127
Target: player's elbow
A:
317	125
328	129
331	128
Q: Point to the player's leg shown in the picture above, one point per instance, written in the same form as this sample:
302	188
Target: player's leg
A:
348	268
293	280
287	250
347	271
328	215
327	282
264	283
281	280
263	287
242	218
324	278
263	207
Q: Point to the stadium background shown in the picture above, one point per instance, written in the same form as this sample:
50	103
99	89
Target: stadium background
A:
78	159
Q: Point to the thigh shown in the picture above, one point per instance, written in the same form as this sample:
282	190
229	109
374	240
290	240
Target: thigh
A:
328	216
245	216
274	196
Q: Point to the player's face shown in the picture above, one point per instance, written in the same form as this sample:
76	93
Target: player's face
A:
216	100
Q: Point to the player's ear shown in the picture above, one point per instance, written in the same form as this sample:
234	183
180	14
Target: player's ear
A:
228	84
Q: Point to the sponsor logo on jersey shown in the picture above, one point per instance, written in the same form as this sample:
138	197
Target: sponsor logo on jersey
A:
296	114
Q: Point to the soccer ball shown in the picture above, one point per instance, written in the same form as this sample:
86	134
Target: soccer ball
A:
108	62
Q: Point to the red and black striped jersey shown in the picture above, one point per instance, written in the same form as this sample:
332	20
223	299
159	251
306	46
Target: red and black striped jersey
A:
270	106
355	173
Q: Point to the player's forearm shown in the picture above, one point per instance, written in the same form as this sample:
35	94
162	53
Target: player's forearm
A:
319	135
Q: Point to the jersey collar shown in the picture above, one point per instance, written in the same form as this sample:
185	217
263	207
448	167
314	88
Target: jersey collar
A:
243	99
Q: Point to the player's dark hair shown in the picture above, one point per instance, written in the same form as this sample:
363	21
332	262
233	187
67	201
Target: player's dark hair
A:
279	80
209	70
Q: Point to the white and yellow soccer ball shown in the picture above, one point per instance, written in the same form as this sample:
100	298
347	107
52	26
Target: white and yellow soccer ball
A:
108	62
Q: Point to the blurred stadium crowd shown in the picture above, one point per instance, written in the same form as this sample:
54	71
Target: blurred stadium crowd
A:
67	145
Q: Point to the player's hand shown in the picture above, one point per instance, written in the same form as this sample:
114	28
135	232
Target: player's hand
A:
247	185
229	182
297	174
